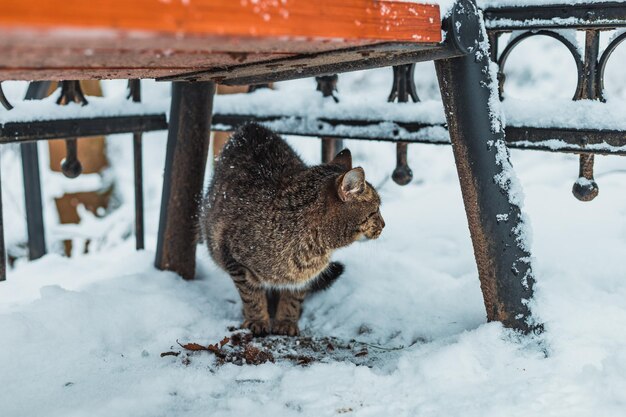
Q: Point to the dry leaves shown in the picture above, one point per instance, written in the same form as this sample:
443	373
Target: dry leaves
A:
361	353
216	348
244	351
241	348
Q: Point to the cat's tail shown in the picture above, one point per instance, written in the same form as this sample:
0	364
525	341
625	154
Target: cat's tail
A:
327	277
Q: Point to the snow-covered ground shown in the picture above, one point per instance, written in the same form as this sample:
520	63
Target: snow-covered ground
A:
83	336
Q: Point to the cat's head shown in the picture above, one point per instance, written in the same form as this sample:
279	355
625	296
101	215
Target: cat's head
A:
357	204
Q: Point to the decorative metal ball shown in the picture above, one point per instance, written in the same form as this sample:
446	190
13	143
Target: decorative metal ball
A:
402	175
585	190
71	168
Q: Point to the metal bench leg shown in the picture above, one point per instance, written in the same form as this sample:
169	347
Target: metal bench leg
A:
3	255
327	84
32	182
487	183
187	150
330	148
134	92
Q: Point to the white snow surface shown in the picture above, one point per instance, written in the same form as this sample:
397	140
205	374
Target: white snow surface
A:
446	5
583	114
83	336
45	109
483	4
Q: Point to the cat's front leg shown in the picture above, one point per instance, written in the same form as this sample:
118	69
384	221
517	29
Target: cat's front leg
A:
255	313
288	313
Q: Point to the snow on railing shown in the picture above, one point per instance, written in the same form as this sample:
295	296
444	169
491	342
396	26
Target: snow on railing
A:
47	109
310	106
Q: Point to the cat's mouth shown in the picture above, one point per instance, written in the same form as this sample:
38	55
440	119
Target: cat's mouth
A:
364	237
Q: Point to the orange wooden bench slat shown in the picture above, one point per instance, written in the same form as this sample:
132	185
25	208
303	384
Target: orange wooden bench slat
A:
80	39
377	20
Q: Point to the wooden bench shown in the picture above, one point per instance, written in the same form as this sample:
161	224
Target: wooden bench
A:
200	42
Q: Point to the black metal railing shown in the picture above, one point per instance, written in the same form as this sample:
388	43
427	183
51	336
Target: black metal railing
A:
27	133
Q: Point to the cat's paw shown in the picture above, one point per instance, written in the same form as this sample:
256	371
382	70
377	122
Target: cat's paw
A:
285	328
257	327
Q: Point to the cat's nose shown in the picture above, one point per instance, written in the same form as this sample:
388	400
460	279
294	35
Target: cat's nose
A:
382	222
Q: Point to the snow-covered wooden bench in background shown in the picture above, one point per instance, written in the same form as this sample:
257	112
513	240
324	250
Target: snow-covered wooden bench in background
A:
199	43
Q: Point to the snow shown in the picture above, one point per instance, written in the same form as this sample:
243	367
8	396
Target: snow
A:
83	336
583	114
516	3
118	105
306	102
100	321
582	181
557	144
446	5
540	23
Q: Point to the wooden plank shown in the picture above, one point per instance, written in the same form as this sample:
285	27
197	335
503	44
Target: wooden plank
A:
376	20
103	39
57	55
100	39
28	59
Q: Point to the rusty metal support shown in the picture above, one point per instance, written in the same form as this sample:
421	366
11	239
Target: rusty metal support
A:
590	82
3	99
608	51
403	88
327	84
402	174
493	46
185	162
485	172
324	63
71	91
330	148
585	188
138	171
71	166
3	254
32	183
134	92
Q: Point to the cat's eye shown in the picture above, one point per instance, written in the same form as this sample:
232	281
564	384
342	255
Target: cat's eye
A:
369	216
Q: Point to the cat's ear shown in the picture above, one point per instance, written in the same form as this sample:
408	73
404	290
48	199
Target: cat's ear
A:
352	184
343	159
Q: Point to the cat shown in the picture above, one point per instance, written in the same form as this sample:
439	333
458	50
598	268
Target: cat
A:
272	223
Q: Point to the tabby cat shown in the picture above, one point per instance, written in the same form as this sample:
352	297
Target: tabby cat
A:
272	223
